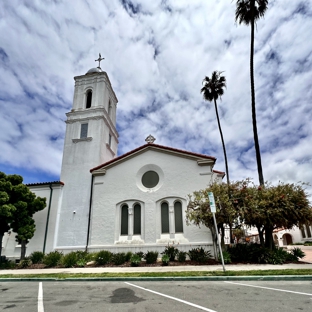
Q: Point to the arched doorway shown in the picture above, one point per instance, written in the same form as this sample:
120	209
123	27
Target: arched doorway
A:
287	239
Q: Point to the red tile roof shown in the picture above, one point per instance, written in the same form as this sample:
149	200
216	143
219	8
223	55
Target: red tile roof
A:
155	146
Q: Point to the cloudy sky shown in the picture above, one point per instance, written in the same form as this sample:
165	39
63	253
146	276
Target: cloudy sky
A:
156	56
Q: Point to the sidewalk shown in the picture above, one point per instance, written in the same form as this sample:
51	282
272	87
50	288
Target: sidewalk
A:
199	268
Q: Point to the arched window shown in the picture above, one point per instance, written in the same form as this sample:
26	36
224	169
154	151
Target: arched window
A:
124	220
89	99
137	219
178	219
164	218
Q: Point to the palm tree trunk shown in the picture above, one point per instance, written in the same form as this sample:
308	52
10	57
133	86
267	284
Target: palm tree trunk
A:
253	100
226	162
223	145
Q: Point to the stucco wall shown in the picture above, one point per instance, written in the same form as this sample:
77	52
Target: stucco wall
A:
179	176
10	247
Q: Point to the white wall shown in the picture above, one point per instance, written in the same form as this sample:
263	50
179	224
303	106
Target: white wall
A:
10	247
179	176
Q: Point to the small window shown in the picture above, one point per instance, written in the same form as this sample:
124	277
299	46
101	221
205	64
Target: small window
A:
137	220
164	218
308	230
89	99
124	220
178	220
150	179
109	140
84	131
109	112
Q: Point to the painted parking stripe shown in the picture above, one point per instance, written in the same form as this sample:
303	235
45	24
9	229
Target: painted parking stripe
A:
269	288
40	298
173	298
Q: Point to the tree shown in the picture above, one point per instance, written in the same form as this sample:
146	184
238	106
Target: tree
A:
274	206
198	209
213	88
23	205
248	12
6	209
267	208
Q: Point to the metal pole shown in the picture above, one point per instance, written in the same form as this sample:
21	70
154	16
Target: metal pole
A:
215	223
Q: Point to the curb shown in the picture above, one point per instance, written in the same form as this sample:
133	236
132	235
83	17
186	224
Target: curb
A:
168	279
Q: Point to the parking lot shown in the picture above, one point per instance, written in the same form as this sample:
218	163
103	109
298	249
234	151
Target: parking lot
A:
219	296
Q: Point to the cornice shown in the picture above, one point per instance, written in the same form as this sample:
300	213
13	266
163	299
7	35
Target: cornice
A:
88	139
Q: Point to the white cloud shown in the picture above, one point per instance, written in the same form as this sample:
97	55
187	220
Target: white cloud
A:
156	55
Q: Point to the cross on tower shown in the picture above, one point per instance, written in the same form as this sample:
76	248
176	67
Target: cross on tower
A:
99	60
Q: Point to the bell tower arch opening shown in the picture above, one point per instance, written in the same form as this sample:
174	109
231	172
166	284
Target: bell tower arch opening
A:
89	99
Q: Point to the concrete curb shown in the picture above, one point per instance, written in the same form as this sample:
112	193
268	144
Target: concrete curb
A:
168	279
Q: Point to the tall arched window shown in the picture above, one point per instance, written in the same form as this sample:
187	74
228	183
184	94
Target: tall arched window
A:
178	219
137	219
89	99
164	218
124	220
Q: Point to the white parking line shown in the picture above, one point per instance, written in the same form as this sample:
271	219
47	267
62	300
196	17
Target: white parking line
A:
40	298
283	290
173	298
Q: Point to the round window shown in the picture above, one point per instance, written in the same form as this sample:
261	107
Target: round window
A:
150	179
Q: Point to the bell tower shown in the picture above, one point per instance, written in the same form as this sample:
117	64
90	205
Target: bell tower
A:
91	139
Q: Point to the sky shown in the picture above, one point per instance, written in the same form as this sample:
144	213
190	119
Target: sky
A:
156	55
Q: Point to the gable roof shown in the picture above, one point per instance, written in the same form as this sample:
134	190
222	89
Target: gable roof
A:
152	146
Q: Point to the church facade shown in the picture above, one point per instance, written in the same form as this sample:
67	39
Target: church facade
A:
132	202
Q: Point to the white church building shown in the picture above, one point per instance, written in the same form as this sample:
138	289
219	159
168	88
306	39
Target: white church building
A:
132	202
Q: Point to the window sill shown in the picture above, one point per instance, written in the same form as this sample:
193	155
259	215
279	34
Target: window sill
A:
88	139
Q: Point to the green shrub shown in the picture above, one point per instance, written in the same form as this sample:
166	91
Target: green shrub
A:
52	259
135	260
182	256
103	257
307	244
128	255
69	260
298	253
91	256
82	255
36	257
277	256
199	254
171	252
119	258
140	254
151	257
165	259
226	257
7	265
25	263
81	263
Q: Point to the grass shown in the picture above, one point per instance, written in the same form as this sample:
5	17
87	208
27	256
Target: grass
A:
162	274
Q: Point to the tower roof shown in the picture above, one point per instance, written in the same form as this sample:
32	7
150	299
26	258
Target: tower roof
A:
94	70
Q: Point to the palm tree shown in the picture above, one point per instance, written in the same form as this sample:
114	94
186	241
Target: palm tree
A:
248	12
213	89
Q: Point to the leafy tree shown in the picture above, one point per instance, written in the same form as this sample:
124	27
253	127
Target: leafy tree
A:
213	89
267	208
248	12
198	209
23	204
6	208
281	206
